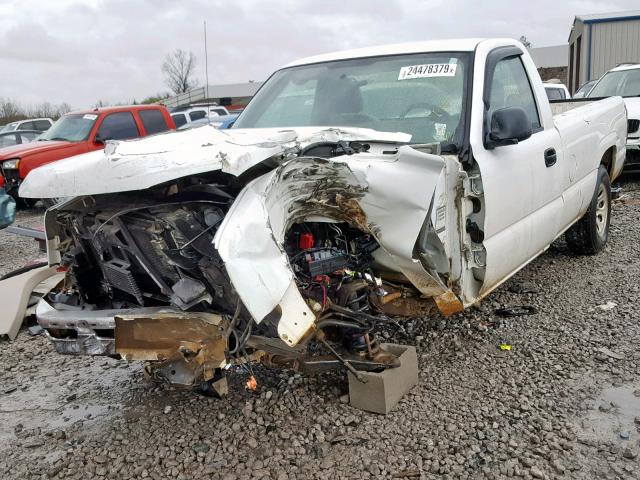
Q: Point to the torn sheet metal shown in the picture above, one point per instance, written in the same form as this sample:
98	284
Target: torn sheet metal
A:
143	163
15	295
388	196
190	346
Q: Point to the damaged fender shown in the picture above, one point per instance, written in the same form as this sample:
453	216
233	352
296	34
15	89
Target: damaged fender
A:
388	196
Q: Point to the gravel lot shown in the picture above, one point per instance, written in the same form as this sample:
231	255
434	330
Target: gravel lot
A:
564	402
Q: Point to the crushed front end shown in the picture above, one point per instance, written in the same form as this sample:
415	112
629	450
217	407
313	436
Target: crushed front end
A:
292	259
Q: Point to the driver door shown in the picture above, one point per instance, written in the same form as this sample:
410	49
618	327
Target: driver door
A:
521	185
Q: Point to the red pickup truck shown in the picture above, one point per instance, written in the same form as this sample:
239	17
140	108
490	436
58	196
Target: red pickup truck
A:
81	132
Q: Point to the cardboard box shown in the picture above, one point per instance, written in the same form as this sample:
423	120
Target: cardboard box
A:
385	389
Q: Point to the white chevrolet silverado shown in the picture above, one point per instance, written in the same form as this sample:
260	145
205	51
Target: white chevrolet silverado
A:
357	189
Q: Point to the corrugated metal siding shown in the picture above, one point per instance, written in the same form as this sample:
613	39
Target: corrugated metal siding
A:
614	43
578	30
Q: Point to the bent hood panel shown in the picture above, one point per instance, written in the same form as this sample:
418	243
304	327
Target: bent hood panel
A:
143	163
386	195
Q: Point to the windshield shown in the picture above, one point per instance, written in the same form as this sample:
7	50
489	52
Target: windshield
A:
419	94
71	128
584	89
10	127
624	83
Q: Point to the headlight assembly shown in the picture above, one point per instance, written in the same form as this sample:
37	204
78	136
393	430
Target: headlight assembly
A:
14	163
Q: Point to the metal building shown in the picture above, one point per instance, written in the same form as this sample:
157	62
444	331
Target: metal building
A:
599	42
551	62
232	96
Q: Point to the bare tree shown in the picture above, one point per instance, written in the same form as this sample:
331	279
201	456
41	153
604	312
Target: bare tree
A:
178	67
63	109
10	109
44	109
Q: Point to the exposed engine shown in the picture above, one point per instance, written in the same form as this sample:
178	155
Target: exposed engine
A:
146	264
150	256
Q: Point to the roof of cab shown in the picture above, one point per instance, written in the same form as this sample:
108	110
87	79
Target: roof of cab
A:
456	45
625	66
119	108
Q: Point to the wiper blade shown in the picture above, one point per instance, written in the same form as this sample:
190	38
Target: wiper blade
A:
60	139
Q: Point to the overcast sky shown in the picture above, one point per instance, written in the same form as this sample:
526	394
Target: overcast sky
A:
80	51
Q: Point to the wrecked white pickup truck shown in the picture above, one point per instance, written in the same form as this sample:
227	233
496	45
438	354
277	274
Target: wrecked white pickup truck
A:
357	188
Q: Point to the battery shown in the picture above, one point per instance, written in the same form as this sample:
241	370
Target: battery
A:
322	262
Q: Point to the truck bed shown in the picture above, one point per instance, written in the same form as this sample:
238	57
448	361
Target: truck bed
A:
561	106
600	118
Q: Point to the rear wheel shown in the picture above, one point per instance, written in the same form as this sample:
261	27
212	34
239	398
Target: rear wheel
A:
590	234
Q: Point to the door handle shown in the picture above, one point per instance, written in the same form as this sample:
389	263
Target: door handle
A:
550	157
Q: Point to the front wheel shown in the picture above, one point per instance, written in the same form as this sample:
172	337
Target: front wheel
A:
590	234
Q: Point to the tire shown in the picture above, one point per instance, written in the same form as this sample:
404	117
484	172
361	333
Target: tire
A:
22	202
589	235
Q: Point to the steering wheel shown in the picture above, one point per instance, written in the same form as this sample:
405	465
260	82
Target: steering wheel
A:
435	111
415	106
358	117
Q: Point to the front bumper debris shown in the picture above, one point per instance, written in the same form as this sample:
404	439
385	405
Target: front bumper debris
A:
82	332
186	348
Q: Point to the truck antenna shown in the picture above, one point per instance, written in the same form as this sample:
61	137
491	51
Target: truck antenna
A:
206	71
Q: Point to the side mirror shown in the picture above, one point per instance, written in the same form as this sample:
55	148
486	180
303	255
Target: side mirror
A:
509	126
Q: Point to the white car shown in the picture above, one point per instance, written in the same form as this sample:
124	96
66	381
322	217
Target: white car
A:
40	124
584	89
356	189
624	81
197	113
556	91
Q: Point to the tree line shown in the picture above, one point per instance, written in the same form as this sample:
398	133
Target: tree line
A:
11	110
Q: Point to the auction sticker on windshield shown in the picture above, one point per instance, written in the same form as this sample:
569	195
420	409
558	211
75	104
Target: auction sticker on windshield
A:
90	116
428	70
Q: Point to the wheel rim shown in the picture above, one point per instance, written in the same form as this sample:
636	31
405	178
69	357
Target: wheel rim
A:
602	210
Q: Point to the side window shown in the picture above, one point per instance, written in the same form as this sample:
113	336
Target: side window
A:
197	115
8	140
153	121
179	119
41	125
555	93
511	88
27	126
118	126
29	136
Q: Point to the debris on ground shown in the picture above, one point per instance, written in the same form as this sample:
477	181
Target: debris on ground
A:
35	330
522	288
516	311
610	353
252	383
605	307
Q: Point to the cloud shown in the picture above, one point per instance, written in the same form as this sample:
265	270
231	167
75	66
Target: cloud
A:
81	51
